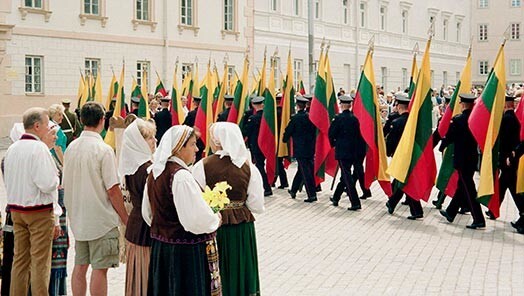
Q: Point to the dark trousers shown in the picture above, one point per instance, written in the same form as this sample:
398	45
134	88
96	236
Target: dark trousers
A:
415	208
466	194
281	173
508	180
259	160
345	169
307	175
358	174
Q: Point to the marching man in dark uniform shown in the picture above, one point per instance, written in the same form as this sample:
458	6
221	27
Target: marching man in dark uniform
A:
251	130
228	101
70	125
513	160
465	160
135	103
345	137
281	171
302	130
162	118
509	139
395	134
190	121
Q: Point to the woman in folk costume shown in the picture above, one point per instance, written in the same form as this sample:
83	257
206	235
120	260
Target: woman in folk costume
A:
138	145
236	237
184	260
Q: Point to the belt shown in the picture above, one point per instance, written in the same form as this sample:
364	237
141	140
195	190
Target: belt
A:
234	205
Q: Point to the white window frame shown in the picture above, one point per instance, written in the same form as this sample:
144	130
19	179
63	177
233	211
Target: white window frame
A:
515	67
515	31
229	15
140	14
459	31
277	72
404	78
187	12
297	72
384	77
34	86
483	3
404	14
274	5
383	12
445	78
515	3
91	5
345	12
445	31
317	8
33	4
483	65
140	72
91	66
482	34
363	14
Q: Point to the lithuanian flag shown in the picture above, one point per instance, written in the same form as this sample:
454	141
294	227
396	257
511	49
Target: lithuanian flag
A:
143	107
98	87
414	76
204	116
367	110
413	163
267	135
288	107
118	111
241	92
484	123
113	89
301	89
447	180
222	87
81	99
177	115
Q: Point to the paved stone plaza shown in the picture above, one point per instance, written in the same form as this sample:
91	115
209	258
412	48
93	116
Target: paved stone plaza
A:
317	249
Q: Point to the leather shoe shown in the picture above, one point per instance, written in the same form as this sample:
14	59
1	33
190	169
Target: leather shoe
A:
490	215
282	187
437	205
310	199
463	211
519	228
366	195
514	225
476	225
405	203
268	193
415	217
335	203
390	208
447	216
293	194
354	208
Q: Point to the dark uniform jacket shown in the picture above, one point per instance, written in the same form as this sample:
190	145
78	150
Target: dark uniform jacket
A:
223	115
395	133
387	126
71	126
465	156
163	123
344	135
509	137
251	130
190	118
302	130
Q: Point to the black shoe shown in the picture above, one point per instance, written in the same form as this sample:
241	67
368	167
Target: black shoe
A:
268	193
476	226
282	187
293	194
437	205
319	188
447	216
463	211
366	195
515	225
415	217
354	208
390	208
405	203
335	203
311	199
490	215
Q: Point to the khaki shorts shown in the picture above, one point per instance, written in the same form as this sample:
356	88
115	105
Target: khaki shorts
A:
101	253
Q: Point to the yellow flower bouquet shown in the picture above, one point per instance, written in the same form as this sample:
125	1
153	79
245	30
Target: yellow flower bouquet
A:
217	197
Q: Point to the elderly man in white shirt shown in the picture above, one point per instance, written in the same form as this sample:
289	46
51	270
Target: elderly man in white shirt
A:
31	180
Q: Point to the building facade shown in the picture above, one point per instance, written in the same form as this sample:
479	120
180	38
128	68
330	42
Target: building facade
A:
491	19
44	44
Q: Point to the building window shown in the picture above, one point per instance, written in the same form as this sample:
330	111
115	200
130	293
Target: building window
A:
432	76
459	31
274	5
186	69
33	3
345	11
483	68
515	31
515	3
347	75
483	32
230	79
384	78
445	29
296	7
362	14
318	10
91	66
229	15
404	21
383	14
33	74
186	12
277	81
405	77
142	10
515	67
483	3
297	73
142	67
445	78
91	7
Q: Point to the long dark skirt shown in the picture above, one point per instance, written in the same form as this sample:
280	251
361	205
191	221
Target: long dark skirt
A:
237	249
178	270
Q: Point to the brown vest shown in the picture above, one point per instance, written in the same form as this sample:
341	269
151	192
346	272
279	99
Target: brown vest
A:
222	169
166	225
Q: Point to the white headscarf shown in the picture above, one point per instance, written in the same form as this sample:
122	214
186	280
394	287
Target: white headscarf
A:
17	131
228	136
172	141
134	151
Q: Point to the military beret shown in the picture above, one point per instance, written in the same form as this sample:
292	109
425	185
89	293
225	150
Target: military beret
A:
467	97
